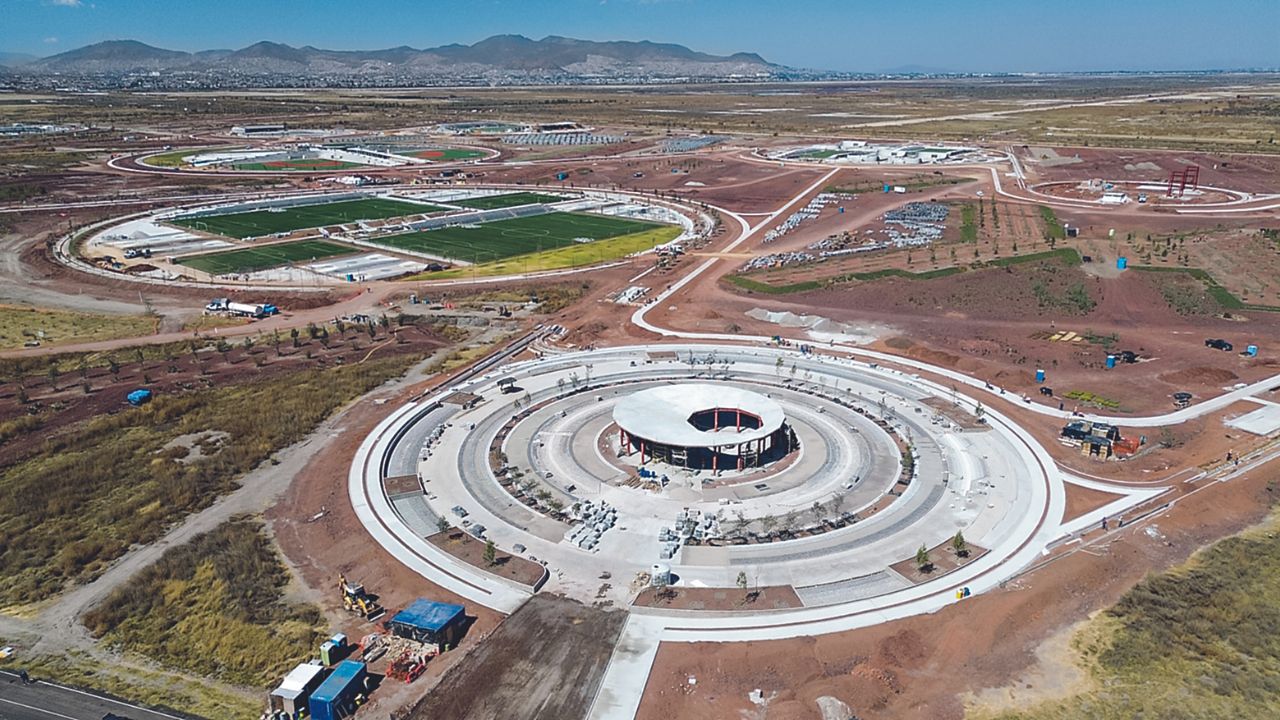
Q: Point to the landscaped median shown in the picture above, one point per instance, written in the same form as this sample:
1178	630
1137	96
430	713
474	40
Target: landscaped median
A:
746	282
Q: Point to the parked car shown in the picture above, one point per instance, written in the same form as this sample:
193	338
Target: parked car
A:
1218	344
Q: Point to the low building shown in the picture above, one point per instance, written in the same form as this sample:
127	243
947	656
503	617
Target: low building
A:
294	692
254	130
431	622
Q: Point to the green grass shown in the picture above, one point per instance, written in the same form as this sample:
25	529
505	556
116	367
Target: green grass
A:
575	255
501	239
1085	396
968	223
752	285
1220	295
266	256
818	154
1068	256
1065	255
80	498
494	202
213	607
262	222
19	324
140	685
747	283
298	165
448	154
1199	641
1052	226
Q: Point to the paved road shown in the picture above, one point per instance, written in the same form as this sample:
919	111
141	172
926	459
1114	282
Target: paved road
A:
43	701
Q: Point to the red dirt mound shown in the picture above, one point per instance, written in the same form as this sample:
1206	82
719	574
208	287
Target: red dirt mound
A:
1199	376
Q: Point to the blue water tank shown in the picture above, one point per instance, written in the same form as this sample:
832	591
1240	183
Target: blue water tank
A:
1122	263
1039	376
1111	361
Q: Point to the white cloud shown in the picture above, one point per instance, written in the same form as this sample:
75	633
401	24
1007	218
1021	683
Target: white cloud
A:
66	3
51	40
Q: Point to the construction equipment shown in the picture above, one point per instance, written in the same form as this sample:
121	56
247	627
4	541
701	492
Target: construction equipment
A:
356	600
408	666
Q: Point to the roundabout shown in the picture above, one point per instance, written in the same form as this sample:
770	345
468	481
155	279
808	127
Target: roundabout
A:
533	456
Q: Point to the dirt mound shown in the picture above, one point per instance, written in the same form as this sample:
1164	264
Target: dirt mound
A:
1199	376
935	357
900	343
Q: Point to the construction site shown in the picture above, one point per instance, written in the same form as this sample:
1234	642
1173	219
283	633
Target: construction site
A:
663	416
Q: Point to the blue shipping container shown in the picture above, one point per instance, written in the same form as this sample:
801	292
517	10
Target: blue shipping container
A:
336	697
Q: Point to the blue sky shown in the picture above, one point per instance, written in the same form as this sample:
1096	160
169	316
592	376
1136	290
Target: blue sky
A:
857	35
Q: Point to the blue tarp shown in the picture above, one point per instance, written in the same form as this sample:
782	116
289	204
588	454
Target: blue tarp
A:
137	397
428	615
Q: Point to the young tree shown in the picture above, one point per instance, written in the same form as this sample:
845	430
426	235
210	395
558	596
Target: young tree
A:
922	559
490	553
442	524
742	579
959	545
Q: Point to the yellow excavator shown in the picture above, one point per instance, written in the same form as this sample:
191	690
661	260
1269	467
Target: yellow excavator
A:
356	600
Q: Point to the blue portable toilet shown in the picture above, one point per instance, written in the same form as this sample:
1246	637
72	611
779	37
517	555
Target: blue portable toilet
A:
842	210
1122	263
351	277
1039	375
887	188
1251	351
141	396
1111	362
336	696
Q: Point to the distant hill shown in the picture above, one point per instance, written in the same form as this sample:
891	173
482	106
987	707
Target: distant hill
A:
550	56
15	59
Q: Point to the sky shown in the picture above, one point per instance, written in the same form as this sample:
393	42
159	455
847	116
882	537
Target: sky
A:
844	35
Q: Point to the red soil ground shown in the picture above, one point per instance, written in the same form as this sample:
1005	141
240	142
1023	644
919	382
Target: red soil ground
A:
921	667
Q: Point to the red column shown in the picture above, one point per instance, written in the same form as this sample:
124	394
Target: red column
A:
739	420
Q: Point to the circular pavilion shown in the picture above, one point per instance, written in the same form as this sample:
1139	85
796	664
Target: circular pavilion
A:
702	426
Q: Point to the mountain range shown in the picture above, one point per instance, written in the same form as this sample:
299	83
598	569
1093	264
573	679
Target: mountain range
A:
501	54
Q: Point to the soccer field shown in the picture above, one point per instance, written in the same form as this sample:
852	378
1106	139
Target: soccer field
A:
261	258
506	238
495	202
262	222
446	154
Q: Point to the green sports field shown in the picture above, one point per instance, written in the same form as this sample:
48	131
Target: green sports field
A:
448	154
497	202
507	238
261	222
266	256
298	166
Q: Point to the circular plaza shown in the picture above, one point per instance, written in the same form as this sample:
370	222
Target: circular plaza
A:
822	475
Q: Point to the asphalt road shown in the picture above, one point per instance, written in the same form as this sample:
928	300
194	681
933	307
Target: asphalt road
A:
43	701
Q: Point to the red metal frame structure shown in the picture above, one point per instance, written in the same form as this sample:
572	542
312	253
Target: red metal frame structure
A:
1188	176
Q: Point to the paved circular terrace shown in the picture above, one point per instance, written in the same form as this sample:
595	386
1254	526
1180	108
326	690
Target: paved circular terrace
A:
880	472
